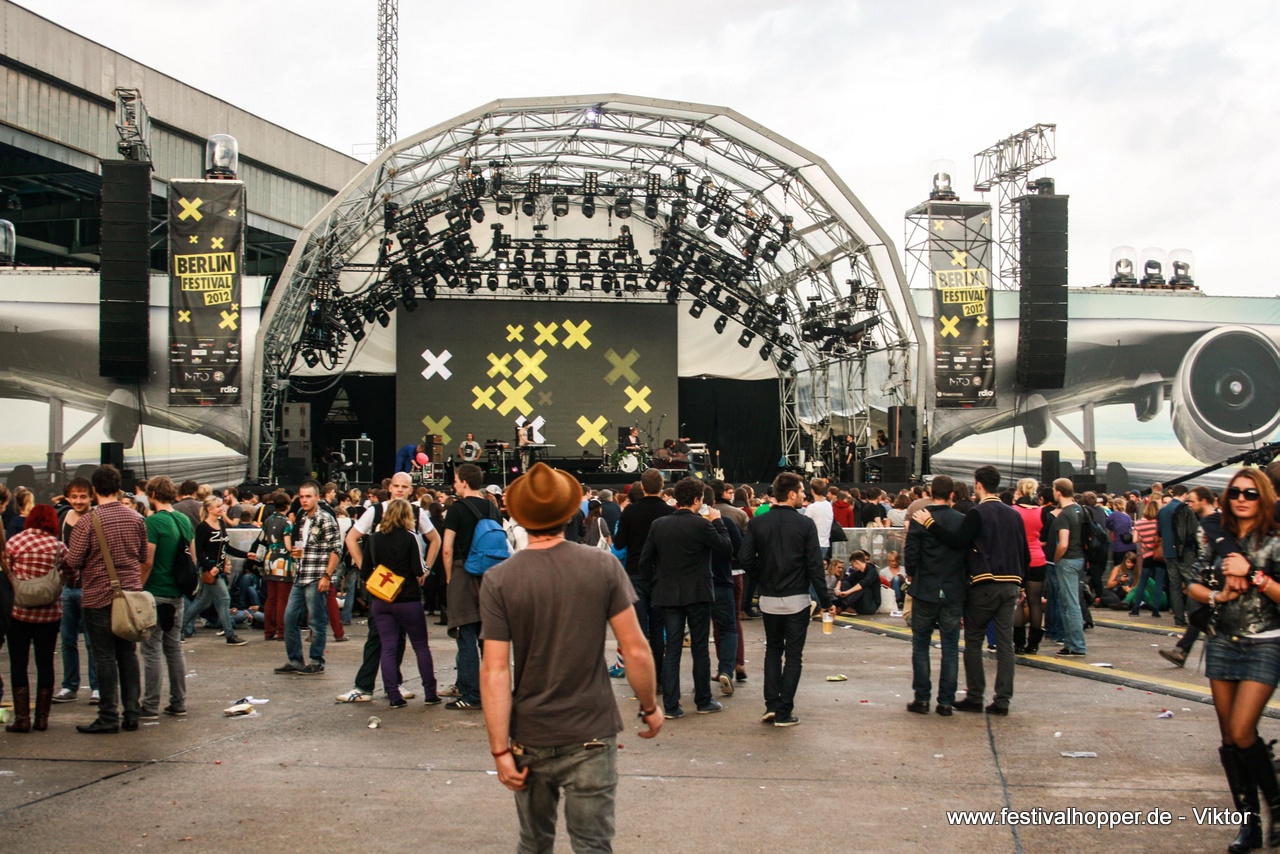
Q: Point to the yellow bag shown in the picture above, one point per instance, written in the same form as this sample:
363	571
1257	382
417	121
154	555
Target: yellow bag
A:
384	584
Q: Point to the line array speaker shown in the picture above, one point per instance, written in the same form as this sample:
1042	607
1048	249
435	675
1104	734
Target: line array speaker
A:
124	334
1049	467
1042	292
904	431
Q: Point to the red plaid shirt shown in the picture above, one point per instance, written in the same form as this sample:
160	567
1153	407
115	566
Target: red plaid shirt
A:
126	534
33	554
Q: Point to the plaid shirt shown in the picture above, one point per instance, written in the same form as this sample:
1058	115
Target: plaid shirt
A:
33	554
126	534
321	537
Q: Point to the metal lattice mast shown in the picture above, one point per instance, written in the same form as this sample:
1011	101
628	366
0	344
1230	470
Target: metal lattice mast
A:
1004	167
388	63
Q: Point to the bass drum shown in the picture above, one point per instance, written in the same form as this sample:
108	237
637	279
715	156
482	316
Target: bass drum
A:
629	463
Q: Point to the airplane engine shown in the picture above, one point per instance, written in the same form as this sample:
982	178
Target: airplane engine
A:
1226	395
1036	425
120	417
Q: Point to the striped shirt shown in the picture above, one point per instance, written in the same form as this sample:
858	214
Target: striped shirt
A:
33	554
126	535
1147	533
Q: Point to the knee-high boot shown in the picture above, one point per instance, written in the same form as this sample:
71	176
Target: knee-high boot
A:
1258	764
1019	639
44	699
21	711
1244	794
1037	635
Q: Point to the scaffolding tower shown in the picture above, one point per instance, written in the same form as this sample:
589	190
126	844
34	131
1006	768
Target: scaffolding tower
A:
1004	167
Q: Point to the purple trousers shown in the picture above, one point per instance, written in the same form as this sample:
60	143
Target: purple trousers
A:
390	618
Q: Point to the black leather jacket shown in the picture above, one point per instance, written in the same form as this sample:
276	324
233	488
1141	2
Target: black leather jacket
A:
1251	613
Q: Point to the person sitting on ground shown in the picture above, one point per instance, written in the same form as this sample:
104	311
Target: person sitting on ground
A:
894	575
859	589
1123	576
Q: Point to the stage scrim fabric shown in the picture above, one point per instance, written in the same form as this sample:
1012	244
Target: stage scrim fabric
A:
206	255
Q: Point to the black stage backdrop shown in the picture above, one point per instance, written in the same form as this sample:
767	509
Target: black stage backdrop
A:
741	418
577	370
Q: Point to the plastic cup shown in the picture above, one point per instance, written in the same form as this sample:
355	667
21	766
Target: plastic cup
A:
828	623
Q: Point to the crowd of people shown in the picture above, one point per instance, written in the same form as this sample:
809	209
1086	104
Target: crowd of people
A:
674	566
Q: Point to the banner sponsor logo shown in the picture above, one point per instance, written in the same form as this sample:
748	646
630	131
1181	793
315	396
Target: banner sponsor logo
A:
964	345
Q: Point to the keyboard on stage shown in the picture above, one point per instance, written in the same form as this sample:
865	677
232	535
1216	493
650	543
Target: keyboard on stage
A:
535	446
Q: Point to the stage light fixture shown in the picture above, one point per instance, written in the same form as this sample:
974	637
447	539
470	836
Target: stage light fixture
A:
651	196
785	361
495	171
429	292
515	282
384	319
528	205
560	206
703	263
491	281
697	308
539	259
679	210
606	283
586	282
870	299
562	284
501	260
673	294
503	204
588	206
583	258
731	305
473	283
703	192
770	253
787	222
703	219
605	261
309	356
357	334
562	259
745	339
535	184
521	259
540	283
651	283
407	298
477	212
721	322
622	207
723	224
766	351
751	246
713	295
390	212
631	282
696	284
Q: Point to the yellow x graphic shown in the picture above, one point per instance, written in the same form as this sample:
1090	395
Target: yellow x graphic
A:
193	239
191	210
637	400
515	333
938	225
576	334
959	258
949	327
184	316
982	320
215	242
514	398
529	365
437	428
591	431
499	364
546	334
621	366
229	319
484	397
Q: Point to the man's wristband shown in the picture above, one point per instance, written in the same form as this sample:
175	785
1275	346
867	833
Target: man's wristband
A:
500	753
646	713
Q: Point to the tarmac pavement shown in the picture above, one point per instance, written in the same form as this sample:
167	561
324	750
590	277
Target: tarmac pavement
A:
859	773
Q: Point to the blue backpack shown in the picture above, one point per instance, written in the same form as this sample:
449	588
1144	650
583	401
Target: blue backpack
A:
488	543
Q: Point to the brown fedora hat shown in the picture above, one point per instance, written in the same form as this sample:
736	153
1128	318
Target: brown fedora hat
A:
543	497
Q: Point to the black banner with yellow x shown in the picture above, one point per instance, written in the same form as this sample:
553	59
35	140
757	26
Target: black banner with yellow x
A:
963	335
206	255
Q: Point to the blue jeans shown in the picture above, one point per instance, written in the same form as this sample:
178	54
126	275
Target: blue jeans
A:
214	594
588	776
785	635
351	574
946	616
1065	578
1053	608
651	621
72	628
1150	568
468	663
310	599
896	583
698	616
725	614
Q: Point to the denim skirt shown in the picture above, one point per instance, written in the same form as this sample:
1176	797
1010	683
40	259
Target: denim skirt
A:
1241	661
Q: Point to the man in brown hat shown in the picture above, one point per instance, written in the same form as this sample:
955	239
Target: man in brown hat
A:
556	732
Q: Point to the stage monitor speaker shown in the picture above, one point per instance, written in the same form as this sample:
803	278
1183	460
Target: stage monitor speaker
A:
1050	461
1042	292
295	422
113	455
895	470
435	447
904	431
124	335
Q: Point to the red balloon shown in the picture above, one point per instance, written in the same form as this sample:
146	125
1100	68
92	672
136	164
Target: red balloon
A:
422	459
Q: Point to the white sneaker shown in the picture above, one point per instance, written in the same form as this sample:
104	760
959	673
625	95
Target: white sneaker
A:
64	695
407	694
355	695
93	698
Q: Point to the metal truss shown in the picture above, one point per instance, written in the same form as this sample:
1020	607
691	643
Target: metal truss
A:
1004	167
388	69
622	139
133	125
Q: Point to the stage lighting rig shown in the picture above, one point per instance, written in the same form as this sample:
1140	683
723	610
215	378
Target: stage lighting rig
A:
562	259
562	284
586	282
652	192
503	204
590	186
560	206
622	207
697	308
745	339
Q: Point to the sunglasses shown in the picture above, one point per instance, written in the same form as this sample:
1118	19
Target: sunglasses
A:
1235	493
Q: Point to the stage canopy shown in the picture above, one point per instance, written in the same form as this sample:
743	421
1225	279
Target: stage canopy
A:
603	197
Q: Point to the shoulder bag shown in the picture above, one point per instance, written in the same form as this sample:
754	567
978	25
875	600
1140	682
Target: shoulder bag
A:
382	582
37	592
133	612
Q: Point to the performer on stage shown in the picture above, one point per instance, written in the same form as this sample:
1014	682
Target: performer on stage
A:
632	440
524	438
406	457
470	449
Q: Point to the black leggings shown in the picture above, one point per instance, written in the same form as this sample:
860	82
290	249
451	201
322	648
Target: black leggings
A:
21	636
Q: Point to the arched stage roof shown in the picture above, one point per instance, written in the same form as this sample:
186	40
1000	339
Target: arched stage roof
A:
763	178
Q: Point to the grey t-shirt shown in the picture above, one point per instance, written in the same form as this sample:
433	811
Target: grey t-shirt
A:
1069	519
553	606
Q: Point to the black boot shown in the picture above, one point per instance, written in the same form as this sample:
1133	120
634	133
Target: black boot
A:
1033	647
1260	767
1244	794
1020	640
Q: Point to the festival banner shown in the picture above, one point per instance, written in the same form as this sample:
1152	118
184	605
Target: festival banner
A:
206	260
963	334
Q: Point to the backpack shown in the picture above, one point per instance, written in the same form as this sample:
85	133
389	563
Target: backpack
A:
488	543
1094	538
277	562
183	569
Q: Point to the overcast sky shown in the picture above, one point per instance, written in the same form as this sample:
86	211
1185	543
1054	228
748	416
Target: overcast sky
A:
1166	111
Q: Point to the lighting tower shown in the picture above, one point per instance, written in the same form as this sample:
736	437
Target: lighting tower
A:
1004	167
388	61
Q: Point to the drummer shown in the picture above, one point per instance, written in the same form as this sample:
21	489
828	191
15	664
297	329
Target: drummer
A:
631	441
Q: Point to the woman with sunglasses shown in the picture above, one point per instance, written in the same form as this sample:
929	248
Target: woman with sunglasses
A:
1243	651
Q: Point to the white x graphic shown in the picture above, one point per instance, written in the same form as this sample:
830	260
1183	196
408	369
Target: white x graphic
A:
538	424
435	364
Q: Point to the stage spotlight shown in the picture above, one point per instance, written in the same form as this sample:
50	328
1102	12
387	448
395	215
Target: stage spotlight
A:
745	339
492	282
696	284
679	210
703	263
703	219
520	260
622	207
407	299
562	285
651	283
673	294
751	246
723	224
539	259
583	258
785	361
515	282
562	259
586	282
770	253
697	308
384	319
357	334
766	351
731	306
503	204
631	282
477	212
473	283
588	206
605	261
704	190
870	299
309	356
390	211
540	283
429	292
606	283
651	196
721	322
528	205
560	205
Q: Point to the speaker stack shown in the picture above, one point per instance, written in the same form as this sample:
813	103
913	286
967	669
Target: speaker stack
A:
1042	293
904	431
124	294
